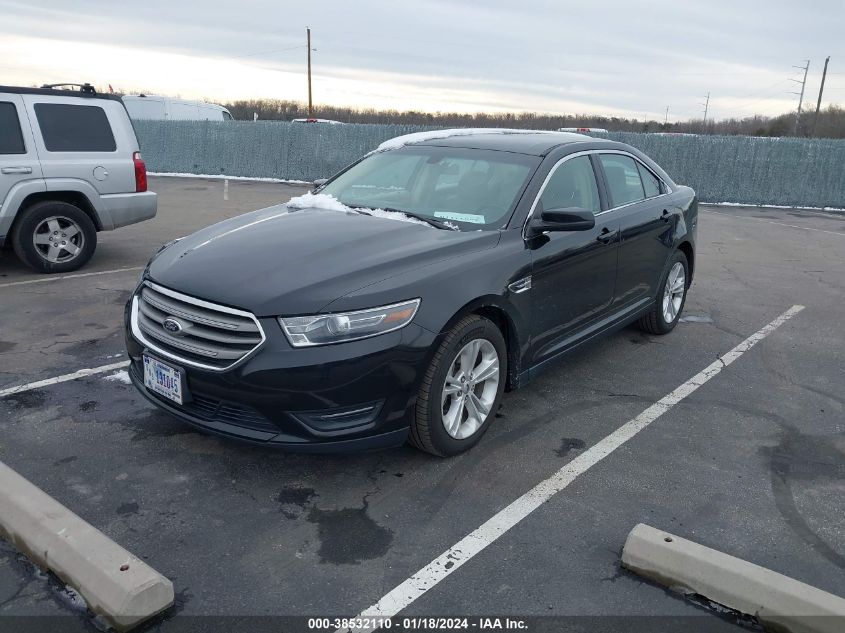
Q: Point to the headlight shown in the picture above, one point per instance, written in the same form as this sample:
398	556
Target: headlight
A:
323	329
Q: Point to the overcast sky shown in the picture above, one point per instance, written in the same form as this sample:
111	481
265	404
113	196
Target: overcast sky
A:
624	57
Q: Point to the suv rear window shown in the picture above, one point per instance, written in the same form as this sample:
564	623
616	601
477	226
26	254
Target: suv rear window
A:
11	139
74	128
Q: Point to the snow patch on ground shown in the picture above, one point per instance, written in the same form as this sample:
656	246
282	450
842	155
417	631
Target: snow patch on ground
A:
225	177
120	376
770	206
325	201
419	137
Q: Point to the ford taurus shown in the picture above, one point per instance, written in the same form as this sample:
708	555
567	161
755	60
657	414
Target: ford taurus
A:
409	291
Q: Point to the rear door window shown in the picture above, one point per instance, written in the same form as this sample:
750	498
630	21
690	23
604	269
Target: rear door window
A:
651	183
623	179
74	128
11	138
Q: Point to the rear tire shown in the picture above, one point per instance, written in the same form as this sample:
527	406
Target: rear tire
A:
671	298
461	389
54	237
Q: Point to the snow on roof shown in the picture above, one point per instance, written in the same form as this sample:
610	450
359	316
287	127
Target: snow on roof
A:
419	137
325	201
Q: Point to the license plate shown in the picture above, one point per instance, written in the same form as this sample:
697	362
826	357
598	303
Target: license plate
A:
163	379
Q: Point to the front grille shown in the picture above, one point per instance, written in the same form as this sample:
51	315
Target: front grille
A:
208	335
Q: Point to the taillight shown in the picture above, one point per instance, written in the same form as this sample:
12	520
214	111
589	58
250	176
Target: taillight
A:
140	172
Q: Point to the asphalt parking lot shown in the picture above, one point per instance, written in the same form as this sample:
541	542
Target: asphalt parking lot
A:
752	463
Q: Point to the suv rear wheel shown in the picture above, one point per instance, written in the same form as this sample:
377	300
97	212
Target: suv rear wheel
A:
54	237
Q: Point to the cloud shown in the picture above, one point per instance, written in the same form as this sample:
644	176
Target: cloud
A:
612	57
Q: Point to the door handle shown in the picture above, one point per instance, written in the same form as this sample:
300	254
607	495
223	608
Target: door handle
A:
606	236
16	170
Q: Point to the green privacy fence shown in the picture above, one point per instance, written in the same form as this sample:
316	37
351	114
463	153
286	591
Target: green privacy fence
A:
749	170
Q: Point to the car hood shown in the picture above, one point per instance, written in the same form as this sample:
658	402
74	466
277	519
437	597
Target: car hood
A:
280	261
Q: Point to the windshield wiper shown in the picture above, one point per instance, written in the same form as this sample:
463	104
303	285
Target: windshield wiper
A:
446	226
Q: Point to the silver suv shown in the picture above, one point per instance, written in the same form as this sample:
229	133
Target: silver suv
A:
70	166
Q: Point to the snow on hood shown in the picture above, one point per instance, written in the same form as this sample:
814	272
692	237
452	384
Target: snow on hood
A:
325	201
419	137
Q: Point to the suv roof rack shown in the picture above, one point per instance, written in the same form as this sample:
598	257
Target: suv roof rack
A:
86	87
83	93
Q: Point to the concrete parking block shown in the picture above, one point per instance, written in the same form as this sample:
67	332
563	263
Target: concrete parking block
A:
114	583
776	600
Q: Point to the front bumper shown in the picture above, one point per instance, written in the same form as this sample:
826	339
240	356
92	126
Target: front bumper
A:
351	396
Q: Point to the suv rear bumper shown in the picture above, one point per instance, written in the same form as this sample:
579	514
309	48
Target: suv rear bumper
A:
121	209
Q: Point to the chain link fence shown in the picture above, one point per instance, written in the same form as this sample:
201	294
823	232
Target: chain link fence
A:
739	169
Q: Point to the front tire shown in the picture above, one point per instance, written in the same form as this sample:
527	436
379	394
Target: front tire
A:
54	237
667	309
462	388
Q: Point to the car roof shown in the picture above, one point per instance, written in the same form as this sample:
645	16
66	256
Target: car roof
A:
521	142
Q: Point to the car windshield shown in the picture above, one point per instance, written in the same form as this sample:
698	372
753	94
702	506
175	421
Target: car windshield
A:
470	189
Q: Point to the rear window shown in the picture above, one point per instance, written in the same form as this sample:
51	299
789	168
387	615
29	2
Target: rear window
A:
11	139
74	128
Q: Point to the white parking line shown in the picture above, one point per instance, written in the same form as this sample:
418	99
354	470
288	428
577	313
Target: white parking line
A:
42	280
450	560
10	391
792	226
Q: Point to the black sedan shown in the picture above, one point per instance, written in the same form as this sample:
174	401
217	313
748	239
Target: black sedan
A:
402	298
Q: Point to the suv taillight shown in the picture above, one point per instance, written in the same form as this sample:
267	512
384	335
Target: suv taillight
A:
140	172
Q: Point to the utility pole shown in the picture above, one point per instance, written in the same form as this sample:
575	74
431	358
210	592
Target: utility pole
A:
819	102
310	104
803	83
666	117
706	105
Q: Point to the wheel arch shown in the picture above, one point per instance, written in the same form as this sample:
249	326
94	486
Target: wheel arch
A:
492	308
76	198
686	248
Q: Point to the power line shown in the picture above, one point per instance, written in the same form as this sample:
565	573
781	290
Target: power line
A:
276	50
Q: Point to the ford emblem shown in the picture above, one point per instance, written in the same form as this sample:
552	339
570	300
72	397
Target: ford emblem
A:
172	325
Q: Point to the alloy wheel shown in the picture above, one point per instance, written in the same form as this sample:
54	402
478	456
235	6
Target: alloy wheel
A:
470	388
58	239
673	293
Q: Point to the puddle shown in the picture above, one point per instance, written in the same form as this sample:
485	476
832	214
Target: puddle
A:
349	536
293	500
569	444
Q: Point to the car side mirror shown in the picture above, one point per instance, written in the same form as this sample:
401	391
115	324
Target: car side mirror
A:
320	182
563	219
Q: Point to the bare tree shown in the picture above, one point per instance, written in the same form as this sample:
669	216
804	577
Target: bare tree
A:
831	122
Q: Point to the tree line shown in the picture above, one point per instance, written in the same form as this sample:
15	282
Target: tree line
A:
830	122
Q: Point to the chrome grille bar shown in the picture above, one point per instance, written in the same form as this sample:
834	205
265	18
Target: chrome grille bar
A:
207	335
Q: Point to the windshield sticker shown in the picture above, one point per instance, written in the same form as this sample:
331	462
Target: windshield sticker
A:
461	217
